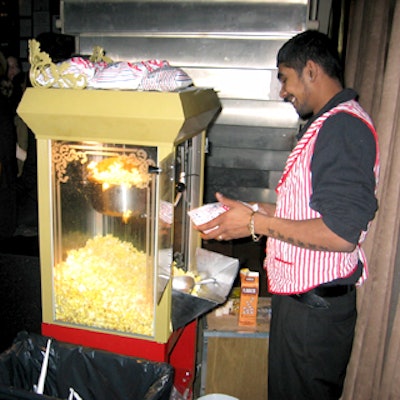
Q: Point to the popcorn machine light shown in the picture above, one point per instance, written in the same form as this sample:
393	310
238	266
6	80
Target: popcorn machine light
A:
117	172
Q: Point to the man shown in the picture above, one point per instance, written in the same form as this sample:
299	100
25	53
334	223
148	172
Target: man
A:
325	202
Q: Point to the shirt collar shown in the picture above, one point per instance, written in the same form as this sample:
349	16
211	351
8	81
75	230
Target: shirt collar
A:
343	96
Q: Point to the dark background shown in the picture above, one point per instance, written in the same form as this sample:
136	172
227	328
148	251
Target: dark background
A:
21	20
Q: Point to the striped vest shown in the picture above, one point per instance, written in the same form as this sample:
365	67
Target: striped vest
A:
292	269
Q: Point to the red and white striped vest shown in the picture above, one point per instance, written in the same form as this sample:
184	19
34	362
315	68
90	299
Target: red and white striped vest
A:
292	269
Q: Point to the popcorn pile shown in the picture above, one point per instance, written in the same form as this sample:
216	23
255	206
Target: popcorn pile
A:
103	285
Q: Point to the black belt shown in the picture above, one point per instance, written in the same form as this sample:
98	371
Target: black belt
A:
315	298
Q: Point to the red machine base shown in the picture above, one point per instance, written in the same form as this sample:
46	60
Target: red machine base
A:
179	351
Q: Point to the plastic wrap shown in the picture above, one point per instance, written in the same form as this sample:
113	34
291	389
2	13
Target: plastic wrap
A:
93	374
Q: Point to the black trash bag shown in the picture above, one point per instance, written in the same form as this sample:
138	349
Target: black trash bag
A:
92	374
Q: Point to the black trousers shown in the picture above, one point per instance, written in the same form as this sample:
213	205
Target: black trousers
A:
309	348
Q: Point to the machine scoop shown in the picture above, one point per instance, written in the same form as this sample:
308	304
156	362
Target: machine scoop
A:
186	283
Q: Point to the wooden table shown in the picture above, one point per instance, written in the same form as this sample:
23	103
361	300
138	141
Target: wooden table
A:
235	358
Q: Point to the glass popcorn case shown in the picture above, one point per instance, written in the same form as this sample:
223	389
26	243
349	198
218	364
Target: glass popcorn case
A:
105	269
117	173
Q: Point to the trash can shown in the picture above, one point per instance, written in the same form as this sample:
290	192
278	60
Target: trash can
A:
91	374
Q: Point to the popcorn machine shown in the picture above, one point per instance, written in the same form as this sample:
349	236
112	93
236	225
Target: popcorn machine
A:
117	173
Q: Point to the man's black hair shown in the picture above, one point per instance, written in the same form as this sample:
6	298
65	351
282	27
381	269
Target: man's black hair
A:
311	45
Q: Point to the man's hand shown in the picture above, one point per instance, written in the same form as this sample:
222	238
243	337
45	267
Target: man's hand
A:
232	224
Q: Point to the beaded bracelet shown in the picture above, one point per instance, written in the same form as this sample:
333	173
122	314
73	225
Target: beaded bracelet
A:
254	237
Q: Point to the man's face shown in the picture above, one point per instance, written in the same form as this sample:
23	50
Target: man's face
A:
295	90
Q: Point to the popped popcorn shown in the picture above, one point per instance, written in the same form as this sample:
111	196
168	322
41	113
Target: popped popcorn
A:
104	285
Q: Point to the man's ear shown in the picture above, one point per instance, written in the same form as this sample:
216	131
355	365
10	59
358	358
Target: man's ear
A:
311	70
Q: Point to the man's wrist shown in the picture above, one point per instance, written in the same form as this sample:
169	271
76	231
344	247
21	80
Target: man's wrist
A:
251	226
